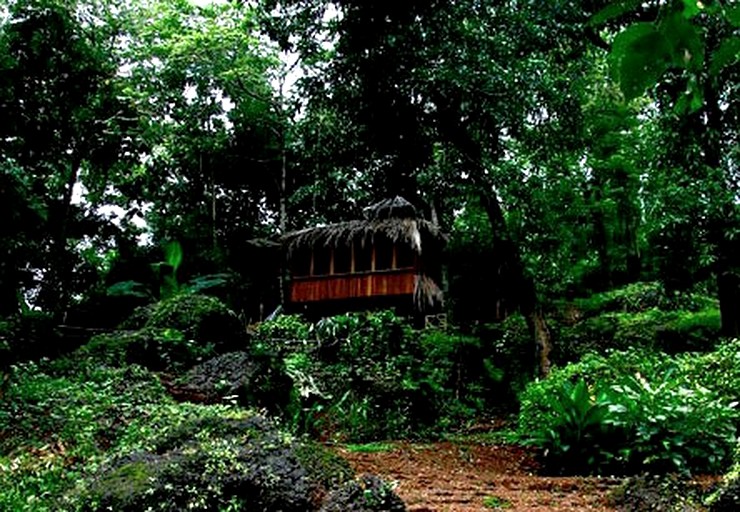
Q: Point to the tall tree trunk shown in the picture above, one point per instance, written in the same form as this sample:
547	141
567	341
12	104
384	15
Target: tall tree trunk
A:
61	269
521	286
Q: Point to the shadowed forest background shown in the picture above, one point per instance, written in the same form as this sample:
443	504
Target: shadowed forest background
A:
581	156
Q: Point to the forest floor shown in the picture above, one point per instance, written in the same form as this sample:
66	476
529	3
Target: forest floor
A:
475	477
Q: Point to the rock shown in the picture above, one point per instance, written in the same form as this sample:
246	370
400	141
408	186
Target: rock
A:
253	380
215	463
367	494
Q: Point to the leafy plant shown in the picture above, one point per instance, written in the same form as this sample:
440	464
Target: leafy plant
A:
578	439
496	502
669	414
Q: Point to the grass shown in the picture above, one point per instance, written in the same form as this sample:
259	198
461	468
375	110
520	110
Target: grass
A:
494	502
375	447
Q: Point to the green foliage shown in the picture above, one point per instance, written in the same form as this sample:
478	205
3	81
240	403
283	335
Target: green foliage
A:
55	425
375	447
369	376
495	502
286	327
579	436
643	52
153	348
81	437
634	316
200	318
644	409
637	297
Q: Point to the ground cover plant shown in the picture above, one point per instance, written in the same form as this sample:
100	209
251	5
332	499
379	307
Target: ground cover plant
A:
637	410
79	435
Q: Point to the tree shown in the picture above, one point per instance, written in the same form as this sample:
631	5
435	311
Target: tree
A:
689	52
62	120
463	83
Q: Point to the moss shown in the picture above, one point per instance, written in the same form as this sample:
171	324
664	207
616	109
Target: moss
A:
122	484
647	493
138	318
208	462
324	466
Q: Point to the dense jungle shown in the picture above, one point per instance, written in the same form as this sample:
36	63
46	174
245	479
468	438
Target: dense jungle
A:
342	255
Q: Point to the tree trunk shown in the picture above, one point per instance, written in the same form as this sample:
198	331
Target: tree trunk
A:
60	266
520	286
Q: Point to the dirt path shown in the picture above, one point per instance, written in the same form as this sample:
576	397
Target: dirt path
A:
454	477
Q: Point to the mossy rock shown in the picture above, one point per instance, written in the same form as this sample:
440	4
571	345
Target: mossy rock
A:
257	380
223	463
154	348
366	494
647	493
201	318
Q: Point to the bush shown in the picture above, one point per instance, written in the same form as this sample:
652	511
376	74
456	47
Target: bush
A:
638	297
154	348
200	318
285	327
138	318
638	409
513	353
369	376
669	331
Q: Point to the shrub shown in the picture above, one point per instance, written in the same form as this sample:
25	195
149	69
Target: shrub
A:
138	318
200	318
285	327
580	438
153	348
653	329
369	376
637	297
663	413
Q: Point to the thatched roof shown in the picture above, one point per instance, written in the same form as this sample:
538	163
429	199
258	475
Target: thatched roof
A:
397	208
409	230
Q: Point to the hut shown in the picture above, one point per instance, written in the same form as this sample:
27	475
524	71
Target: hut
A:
391	258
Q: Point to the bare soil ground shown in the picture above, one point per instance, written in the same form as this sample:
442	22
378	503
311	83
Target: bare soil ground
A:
469	477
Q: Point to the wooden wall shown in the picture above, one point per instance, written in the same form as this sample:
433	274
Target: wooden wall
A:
349	286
